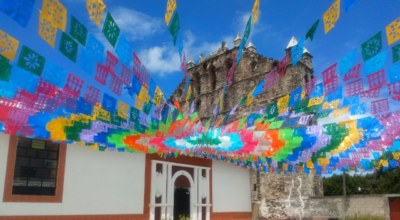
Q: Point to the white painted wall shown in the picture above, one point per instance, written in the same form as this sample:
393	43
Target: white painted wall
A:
230	188
94	183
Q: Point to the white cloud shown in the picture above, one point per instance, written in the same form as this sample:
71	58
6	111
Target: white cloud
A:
163	60
136	25
160	60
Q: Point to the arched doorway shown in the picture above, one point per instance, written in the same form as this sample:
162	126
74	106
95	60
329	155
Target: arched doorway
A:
179	190
182	198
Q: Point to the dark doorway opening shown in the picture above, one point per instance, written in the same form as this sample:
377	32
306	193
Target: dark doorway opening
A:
181	204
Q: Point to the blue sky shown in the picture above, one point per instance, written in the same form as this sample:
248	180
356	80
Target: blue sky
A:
206	23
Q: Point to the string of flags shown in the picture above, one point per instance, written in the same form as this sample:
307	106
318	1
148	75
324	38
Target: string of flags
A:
349	120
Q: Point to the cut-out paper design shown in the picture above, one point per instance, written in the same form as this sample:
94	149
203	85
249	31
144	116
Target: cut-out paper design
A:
244	40
396	53
311	32
111	62
123	110
54	74
393	31
74	85
353	73
78	31
271	79
330	79
394	73
282	65
331	16
101	74
347	62
140	71
376	63
68	47
5	69
358	109
379	106
171	6
370	93
296	52
372	46
125	75
175	27
95	9
116	85
124	51
55	12
158	96
376	80
31	61
92	95
109	103
8	45
47	31
111	30
394	90
20	11
255	11
354	88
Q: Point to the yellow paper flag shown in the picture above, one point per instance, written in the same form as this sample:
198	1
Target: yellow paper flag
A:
339	112
144	94
331	105
123	110
256	11
46	30
283	103
315	101
331	16
95	9
158	95
171	7
55	12
8	45
393	31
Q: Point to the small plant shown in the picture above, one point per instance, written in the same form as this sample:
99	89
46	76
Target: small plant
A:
184	217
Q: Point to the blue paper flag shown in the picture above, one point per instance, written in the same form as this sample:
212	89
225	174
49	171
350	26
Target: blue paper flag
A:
259	89
95	48
109	103
394	73
295	96
352	100
7	89
359	109
296	52
24	79
347	62
124	51
54	74
317	91
20	11
376	63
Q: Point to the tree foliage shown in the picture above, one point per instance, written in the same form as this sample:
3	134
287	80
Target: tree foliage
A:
380	182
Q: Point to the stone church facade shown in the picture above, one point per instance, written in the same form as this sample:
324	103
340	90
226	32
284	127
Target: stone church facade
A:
274	196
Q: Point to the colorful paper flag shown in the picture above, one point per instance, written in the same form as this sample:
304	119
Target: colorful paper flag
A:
331	16
311	32
393	31
171	7
8	45
95	9
111	30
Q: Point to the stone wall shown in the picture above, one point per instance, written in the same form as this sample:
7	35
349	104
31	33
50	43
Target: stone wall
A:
207	79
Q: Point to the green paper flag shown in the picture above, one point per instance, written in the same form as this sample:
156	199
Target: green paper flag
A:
272	110
31	61
68	47
372	46
311	32
111	30
5	69
78	31
174	27
396	53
